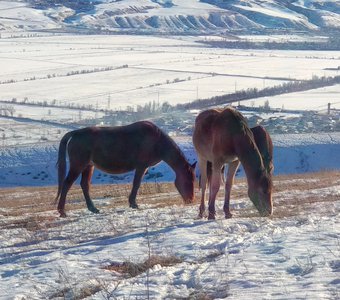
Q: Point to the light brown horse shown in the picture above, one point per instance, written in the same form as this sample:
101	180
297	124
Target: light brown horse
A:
222	136
118	150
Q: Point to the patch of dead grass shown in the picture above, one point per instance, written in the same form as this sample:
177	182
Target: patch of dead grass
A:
30	223
131	269
31	202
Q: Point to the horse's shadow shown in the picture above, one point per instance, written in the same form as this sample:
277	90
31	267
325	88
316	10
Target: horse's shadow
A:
102	242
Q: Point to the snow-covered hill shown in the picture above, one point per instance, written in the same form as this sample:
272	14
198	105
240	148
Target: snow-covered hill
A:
171	16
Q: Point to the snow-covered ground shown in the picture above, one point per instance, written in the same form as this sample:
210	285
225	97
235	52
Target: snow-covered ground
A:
119	71
17	15
113	72
316	99
292	255
169	16
34	164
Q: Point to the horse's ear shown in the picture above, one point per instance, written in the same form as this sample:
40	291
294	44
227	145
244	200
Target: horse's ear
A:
193	165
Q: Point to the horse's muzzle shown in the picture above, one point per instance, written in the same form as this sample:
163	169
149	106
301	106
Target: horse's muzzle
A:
266	212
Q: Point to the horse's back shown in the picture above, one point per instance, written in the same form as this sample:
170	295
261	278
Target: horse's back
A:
116	149
81	141
215	130
228	119
129	135
202	135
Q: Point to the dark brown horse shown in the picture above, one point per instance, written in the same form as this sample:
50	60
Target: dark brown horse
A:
222	136
118	150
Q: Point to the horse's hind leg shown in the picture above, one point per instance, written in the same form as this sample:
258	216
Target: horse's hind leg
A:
85	185
139	173
203	185
69	180
228	185
214	188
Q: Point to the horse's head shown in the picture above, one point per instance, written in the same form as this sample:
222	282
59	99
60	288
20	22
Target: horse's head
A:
184	183
260	193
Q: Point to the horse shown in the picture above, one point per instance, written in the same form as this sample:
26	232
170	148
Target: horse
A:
265	146
117	150
222	136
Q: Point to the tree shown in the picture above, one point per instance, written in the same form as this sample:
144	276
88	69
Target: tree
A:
165	107
266	105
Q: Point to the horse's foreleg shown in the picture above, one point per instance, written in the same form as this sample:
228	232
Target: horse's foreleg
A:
228	185
203	185
69	180
139	173
85	186
214	188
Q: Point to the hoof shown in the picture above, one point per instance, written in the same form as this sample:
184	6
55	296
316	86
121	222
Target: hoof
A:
62	214
211	217
201	215
228	215
134	206
94	210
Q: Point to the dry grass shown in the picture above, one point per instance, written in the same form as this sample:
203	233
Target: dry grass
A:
16	201
131	269
30	207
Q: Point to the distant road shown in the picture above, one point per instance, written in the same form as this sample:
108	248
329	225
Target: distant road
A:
45	122
216	74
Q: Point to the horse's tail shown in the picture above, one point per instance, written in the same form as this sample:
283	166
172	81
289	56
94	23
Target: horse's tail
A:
61	162
222	174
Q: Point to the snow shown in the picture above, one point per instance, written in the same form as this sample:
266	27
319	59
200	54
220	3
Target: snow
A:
149	16
34	164
271	10
134	70
291	257
316	99
189	7
17	14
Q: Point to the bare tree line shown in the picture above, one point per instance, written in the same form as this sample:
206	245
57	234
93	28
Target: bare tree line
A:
252	93
70	73
331	44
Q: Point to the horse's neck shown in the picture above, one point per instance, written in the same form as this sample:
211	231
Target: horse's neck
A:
249	156
171	154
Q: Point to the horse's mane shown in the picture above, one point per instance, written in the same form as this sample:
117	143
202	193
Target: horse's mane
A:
244	125
245	129
167	143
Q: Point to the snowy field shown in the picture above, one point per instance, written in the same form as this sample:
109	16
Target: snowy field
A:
132	70
113	72
26	132
165	252
316	99
34	164
292	255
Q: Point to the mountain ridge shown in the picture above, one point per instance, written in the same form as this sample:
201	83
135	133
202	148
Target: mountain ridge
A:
172	16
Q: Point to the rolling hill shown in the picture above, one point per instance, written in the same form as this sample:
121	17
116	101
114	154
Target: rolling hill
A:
171	16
